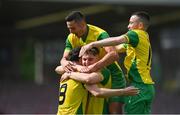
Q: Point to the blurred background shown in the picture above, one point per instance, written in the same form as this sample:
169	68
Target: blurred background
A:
33	34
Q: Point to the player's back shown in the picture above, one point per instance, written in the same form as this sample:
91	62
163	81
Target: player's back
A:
72	98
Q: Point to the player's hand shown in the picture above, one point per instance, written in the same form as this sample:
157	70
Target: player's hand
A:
67	66
84	49
131	90
92	68
84	69
89	69
65	76
79	67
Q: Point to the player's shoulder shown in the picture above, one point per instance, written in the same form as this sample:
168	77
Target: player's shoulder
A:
71	35
137	31
95	28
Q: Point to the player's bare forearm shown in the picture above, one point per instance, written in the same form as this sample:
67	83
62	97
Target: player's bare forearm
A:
67	65
105	92
59	70
88	78
108	59
63	61
112	41
120	48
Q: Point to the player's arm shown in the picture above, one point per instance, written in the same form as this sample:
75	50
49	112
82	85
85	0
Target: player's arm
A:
67	65
64	62
121	48
105	92
59	70
110	56
88	78
111	41
64	58
108	59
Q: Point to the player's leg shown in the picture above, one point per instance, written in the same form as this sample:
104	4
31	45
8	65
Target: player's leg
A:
141	103
116	107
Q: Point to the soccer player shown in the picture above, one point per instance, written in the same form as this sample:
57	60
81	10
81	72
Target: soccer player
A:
72	94
81	34
103	77
137	61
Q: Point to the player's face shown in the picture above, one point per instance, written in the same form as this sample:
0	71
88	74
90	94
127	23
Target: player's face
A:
134	23
74	27
88	59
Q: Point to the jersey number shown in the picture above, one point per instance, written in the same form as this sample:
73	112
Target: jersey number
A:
62	93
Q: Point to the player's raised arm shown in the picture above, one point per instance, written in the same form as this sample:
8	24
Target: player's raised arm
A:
112	41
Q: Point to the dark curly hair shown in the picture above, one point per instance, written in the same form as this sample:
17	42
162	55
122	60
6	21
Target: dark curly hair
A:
74	54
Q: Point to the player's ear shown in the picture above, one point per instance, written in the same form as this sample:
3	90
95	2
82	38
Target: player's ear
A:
83	23
141	25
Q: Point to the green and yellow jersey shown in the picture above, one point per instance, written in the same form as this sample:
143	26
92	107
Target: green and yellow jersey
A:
95	34
139	55
98	105
72	98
